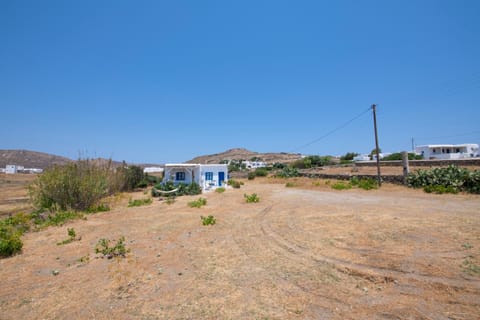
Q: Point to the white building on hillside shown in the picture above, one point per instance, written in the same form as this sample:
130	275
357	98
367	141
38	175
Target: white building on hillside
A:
254	164
153	169
208	176
362	157
10	169
448	151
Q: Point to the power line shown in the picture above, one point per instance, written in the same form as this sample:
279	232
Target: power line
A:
332	131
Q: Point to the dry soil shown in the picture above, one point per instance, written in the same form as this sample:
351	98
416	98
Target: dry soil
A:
302	252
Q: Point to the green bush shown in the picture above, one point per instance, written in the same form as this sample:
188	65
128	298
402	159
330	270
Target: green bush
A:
341	185
313	161
76	186
452	178
234	183
143	184
261	172
139	202
99	208
183	189
288	172
119	249
251	175
132	177
10	240
290	184
72	236
439	189
198	203
398	156
348	156
220	190
207	221
364	183
20	222
250	198
60	217
278	165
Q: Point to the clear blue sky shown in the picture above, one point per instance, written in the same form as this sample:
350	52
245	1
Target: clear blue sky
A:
164	81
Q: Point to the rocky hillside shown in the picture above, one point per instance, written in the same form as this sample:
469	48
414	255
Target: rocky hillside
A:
244	154
30	159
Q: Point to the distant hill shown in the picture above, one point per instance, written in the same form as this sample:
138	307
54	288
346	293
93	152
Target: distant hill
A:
41	160
30	159
244	154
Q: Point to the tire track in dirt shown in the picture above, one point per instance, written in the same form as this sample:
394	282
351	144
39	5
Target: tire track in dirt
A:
318	302
369	272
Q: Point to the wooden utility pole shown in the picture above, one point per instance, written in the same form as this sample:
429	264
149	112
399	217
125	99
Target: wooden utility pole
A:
406	168
377	150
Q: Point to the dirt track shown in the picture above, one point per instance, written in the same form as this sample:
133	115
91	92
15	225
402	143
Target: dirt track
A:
393	253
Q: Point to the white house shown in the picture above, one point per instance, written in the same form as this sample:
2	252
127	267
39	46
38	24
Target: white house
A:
152	169
254	164
10	169
208	176
362	157
448	151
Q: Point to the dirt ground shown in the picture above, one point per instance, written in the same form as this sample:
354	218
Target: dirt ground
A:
302	252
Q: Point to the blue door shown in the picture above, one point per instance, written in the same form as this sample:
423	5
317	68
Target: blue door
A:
221	178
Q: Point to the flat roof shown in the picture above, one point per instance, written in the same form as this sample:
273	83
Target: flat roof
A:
448	145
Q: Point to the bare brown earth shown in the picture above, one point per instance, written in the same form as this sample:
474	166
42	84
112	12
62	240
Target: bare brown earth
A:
306	252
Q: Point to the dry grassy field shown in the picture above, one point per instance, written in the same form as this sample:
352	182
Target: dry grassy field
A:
302	252
14	193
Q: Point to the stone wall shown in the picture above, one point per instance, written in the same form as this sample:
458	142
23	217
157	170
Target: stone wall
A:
422	163
396	179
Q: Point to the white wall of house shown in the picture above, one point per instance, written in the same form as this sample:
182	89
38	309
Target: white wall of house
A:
213	175
208	176
182	173
10	169
448	151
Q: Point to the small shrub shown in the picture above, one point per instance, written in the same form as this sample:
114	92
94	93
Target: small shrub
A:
439	189
10	242
59	218
470	267
251	175
261	172
72	236
170	200
142	184
207	221
220	190
100	208
198	203
119	249
341	186
290	184
234	183
20	222
364	183
139	202
250	198
288	172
